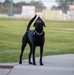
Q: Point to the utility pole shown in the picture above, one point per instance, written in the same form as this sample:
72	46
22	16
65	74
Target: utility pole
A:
11	10
73	2
1	4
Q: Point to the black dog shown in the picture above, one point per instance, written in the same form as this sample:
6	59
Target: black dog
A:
34	38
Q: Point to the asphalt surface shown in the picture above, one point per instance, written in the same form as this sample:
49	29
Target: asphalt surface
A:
53	65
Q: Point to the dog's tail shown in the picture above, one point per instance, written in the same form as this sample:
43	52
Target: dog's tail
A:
29	24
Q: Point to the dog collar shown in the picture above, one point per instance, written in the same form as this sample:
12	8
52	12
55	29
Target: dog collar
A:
35	32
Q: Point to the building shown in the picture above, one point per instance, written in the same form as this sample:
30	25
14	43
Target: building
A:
71	12
28	11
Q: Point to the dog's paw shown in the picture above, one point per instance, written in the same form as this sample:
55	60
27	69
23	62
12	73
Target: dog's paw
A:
34	63
41	64
20	62
30	62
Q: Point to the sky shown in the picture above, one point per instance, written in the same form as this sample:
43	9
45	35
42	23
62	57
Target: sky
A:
47	3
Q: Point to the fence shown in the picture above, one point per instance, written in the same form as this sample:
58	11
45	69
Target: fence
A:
20	11
52	14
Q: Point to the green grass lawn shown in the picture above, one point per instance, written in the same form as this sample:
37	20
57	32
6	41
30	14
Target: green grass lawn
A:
59	38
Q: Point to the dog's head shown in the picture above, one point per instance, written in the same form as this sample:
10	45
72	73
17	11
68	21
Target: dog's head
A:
39	25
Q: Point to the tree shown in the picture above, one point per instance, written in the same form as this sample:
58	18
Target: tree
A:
69	2
8	1
39	5
64	4
17	7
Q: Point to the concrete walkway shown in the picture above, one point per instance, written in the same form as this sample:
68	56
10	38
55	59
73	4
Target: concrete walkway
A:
53	65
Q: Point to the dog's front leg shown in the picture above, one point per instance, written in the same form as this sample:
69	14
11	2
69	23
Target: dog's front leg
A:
33	50
41	53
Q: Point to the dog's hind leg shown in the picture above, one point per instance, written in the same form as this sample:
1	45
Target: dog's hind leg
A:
30	55
24	42
33	50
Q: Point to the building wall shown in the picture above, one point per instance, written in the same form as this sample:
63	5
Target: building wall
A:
52	14
71	13
28	11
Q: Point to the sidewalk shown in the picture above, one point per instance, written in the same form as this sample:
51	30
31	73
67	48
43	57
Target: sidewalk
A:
6	68
53	65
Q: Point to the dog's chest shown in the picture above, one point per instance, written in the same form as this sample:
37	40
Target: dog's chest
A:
38	40
35	39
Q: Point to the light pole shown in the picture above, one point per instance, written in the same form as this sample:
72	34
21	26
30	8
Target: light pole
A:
73	2
11	10
1	4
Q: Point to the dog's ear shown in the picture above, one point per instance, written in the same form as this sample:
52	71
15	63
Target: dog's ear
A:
34	24
44	24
